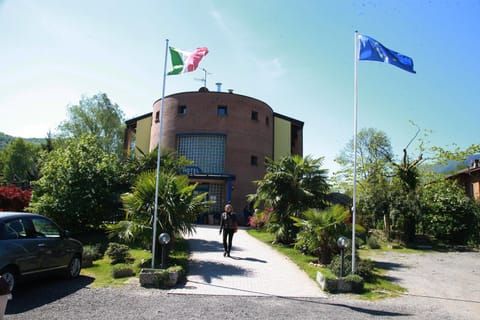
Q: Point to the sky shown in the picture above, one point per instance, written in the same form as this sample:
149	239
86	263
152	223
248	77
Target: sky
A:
296	56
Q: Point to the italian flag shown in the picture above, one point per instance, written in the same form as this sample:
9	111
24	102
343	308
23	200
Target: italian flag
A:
184	61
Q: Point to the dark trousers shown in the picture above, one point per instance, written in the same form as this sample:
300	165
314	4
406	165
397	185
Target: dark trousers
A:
227	245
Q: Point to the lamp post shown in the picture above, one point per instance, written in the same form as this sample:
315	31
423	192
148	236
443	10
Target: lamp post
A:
164	239
342	243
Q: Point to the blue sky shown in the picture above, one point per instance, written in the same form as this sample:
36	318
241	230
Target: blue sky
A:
297	56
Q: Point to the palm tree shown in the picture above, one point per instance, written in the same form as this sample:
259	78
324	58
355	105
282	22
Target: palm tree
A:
178	207
320	230
290	186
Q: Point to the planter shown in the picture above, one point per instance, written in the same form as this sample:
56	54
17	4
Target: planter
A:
172	278
326	284
158	277
339	284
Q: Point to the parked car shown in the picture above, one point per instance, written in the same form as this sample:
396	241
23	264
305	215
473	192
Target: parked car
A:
33	245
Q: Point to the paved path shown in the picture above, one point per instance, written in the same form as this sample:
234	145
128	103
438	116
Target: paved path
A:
254	269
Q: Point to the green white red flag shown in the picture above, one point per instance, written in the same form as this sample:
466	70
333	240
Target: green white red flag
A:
184	61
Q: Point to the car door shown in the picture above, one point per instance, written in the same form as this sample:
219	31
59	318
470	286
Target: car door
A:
50	243
19	248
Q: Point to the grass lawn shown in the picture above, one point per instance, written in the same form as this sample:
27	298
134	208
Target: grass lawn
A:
101	270
379	288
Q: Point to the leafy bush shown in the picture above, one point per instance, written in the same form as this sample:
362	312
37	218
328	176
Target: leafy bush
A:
448	214
372	243
260	218
13	198
363	268
92	252
122	270
118	253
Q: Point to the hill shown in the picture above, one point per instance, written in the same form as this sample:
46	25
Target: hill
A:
6	139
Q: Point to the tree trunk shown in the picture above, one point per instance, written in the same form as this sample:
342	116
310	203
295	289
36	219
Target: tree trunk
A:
387	226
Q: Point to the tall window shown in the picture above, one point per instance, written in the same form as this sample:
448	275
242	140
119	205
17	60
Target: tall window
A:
206	151
157	116
254	160
254	115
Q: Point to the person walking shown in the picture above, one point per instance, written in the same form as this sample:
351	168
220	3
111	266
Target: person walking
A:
228	224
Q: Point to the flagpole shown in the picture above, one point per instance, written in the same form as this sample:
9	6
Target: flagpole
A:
155	212
355	104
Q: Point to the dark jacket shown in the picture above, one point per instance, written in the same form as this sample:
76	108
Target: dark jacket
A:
228	221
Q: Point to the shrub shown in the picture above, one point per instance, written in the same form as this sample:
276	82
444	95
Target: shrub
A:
122	270
259	219
92	252
118	253
363	268
372	243
13	198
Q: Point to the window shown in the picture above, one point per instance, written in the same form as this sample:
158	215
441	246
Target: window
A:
15	229
206	151
45	229
182	109
254	160
157	117
267	121
222	110
255	115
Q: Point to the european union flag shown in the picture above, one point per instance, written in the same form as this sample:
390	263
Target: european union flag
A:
371	49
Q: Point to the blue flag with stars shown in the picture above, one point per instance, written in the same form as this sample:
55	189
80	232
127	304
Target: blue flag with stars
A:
371	49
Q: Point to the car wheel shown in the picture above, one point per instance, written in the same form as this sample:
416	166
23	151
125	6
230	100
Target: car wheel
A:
10	276
74	267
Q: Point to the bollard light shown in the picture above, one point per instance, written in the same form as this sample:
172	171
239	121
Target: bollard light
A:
164	239
342	244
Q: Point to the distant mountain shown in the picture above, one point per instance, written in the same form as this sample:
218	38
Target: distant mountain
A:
470	159
452	166
6	139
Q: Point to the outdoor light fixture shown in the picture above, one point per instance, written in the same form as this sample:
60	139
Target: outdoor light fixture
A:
164	239
342	243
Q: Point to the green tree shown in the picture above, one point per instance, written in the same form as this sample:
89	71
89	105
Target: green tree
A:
374	153
77	185
19	162
448	214
374	170
136	164
406	199
374	203
96	115
320	231
178	207
290	186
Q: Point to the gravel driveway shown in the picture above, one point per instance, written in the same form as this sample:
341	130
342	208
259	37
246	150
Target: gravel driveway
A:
441	286
447	281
